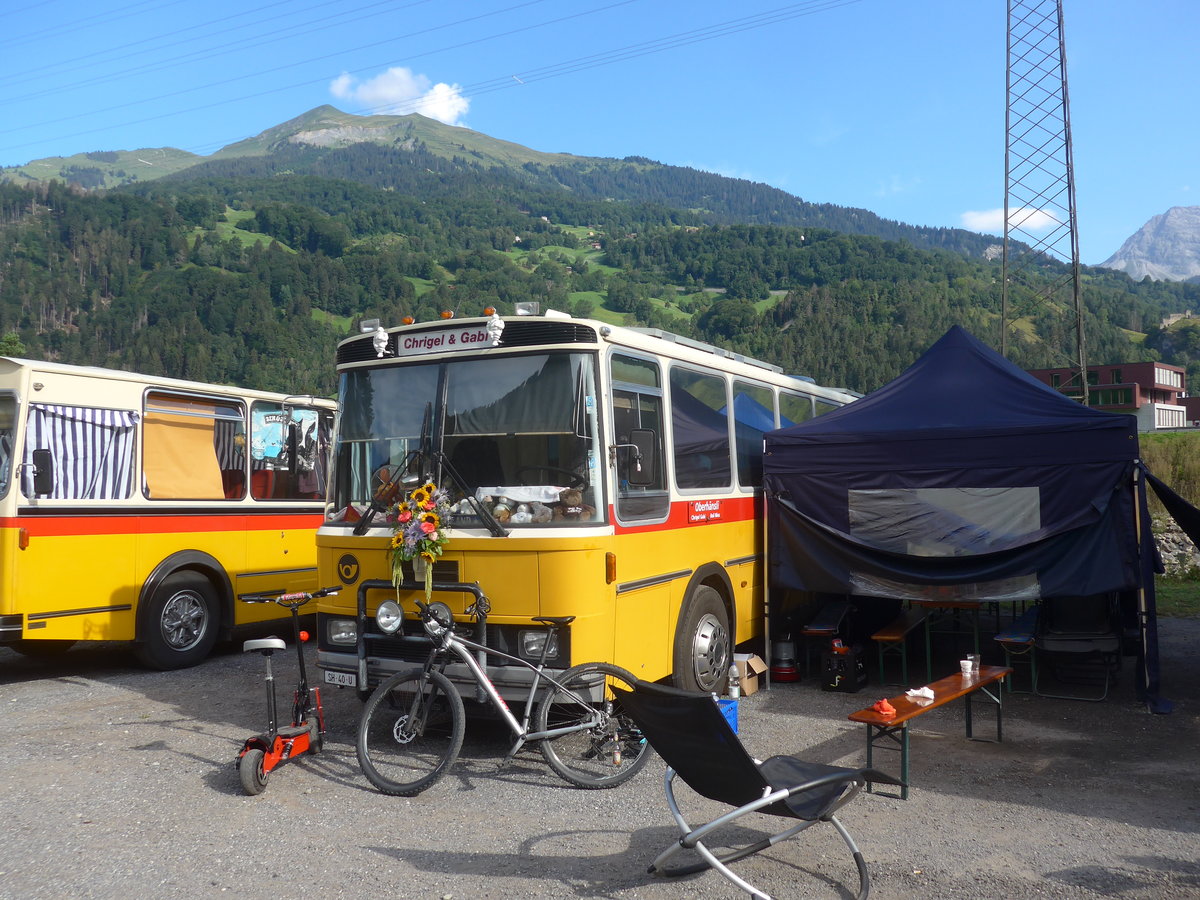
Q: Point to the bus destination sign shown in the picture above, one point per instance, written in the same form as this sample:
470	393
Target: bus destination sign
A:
473	337
704	511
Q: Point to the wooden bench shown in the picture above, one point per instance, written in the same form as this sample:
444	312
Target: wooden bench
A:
826	626
892	640
891	732
1017	643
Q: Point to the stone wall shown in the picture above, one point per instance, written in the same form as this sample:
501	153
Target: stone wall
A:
1179	554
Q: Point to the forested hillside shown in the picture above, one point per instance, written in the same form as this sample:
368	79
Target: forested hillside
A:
248	270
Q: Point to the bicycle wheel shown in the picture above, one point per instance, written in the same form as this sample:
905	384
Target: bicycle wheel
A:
410	732
605	748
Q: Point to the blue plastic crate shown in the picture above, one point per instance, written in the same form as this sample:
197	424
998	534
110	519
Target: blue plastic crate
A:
729	709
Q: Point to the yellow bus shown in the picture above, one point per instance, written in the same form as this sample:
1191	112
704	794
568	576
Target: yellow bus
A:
136	508
608	473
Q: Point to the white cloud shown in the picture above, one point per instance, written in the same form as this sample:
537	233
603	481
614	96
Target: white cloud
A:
897	185
400	91
991	221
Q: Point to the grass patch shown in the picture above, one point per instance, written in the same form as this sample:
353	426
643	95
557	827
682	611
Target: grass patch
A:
341	323
1177	597
228	229
421	285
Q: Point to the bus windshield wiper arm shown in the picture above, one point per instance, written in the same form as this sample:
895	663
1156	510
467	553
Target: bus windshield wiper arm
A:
485	514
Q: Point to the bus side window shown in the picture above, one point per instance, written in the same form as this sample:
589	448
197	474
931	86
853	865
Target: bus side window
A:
700	429
288	446
190	443
637	408
78	453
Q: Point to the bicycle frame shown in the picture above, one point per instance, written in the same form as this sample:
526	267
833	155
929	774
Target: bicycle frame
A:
463	648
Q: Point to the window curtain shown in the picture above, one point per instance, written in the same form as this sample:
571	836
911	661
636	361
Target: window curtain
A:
92	450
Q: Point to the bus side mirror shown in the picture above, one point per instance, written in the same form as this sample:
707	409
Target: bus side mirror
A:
641	463
43	473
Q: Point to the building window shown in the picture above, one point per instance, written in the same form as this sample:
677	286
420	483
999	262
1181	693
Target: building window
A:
1055	379
1116	376
1093	379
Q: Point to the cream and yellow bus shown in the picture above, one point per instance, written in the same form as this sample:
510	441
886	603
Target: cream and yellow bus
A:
607	473
136	508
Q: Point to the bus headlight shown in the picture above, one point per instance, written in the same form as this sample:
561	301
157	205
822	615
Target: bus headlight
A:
343	631
389	617
532	643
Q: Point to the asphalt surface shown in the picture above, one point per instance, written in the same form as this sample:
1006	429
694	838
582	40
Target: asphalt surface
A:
119	782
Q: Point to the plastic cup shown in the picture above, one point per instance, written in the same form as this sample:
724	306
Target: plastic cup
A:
974	659
967	670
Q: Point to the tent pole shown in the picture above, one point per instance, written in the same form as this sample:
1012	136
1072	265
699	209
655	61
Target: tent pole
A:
1144	674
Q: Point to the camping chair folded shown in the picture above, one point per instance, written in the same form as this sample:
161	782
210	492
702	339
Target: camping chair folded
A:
692	736
1081	639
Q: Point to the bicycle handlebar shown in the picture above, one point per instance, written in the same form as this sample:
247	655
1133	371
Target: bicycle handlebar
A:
296	599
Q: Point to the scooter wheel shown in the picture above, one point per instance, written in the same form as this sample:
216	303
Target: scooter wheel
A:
250	770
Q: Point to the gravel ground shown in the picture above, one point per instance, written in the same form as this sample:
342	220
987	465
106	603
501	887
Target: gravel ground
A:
119	783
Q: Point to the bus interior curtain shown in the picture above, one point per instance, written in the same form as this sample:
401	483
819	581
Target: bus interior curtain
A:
92	450
180	457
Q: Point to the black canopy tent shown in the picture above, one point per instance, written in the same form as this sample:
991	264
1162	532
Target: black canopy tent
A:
964	478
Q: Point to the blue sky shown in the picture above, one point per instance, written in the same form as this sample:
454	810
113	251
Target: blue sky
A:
894	107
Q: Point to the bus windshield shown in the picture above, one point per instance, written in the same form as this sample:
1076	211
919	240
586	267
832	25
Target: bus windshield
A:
519	433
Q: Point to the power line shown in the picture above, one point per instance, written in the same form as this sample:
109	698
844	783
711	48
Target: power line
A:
274	35
500	82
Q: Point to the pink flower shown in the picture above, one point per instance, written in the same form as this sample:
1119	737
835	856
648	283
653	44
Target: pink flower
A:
428	527
404	515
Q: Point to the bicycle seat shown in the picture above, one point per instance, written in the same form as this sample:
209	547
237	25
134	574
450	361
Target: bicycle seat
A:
271	643
554	620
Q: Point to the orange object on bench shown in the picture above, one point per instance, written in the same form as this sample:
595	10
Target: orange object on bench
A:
894	728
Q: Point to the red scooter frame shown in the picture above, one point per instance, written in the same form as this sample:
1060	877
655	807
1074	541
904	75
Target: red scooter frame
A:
262	753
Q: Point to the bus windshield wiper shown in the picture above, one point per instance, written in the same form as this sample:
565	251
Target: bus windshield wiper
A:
484	514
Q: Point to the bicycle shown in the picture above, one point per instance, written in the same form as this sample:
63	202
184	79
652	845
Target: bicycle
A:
261	754
411	730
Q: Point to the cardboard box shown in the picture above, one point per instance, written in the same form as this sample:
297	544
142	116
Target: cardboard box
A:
750	667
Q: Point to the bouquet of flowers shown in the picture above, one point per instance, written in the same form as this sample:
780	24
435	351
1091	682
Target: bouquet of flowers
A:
418	523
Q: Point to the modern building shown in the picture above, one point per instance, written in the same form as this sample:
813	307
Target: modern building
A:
1153	392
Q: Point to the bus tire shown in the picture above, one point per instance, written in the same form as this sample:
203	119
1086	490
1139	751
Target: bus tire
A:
703	647
181	623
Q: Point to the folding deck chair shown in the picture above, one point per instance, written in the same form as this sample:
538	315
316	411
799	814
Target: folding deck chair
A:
1080	638
694	739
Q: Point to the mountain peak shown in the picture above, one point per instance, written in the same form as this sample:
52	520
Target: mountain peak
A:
1167	248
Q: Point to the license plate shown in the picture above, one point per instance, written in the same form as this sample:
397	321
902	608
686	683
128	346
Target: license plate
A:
346	679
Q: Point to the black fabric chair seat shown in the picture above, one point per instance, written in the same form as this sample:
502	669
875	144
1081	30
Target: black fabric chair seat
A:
689	732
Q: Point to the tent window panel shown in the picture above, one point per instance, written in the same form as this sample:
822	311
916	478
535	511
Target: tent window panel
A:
192	448
700	429
945	521
92	450
753	415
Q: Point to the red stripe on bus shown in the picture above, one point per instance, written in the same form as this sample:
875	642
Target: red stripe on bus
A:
688	513
134	524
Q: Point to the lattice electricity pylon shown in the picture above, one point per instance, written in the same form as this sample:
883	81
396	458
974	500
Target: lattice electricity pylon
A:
1041	244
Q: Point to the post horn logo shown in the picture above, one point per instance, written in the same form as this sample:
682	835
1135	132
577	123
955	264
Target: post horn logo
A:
347	569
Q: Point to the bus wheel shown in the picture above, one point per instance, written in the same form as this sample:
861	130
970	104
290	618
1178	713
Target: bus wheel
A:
181	625
703	650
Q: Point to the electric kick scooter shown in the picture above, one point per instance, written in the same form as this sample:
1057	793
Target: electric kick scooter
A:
262	753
